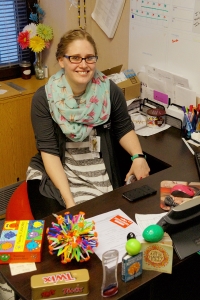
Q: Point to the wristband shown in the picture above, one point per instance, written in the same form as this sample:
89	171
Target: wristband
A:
137	156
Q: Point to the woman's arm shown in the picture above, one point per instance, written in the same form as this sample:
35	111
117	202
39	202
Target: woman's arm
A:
123	130
48	146
139	166
55	171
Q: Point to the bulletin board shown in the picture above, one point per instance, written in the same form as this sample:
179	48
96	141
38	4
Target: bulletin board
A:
166	34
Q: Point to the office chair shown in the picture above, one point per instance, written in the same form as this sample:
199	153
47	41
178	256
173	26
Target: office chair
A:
18	206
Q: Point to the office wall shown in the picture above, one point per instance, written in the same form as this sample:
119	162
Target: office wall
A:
63	17
166	35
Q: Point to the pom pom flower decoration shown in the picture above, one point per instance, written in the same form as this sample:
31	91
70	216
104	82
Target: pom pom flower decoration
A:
36	35
72	237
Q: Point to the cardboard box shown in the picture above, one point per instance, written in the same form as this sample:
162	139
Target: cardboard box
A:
131	87
21	241
60	285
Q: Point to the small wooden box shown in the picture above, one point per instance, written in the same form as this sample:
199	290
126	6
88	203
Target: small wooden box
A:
60	285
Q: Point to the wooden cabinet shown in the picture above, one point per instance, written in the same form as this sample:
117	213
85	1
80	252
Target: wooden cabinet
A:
17	142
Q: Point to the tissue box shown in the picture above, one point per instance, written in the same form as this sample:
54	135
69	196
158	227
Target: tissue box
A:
21	241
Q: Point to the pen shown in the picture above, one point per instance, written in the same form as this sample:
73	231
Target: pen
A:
194	120
191	150
188	124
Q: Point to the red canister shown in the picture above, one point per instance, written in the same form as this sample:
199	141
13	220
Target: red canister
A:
25	67
155	117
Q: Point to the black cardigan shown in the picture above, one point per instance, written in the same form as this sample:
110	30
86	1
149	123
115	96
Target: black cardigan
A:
50	138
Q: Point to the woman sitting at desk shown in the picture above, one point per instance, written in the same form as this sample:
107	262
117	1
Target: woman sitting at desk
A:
75	117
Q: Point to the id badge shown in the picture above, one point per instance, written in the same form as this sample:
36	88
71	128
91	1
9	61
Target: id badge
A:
94	143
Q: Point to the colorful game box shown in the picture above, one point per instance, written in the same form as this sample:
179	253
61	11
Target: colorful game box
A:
21	241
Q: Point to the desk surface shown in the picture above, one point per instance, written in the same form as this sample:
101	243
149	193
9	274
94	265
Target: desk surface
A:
166	146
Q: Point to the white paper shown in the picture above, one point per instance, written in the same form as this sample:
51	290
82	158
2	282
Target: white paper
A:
184	97
149	93
2	91
74	3
113	235
180	81
170	80
196	137
117	77
139	121
156	84
19	268
196	17
175	111
197	144
147	131
107	15
145	220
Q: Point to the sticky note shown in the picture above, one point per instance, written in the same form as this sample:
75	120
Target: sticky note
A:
161	97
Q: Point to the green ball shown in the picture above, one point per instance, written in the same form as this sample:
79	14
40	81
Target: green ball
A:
153	233
133	247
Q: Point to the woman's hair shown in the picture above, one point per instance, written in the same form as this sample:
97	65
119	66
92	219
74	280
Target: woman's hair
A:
69	37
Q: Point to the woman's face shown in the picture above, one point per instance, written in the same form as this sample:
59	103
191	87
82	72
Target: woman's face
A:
78	75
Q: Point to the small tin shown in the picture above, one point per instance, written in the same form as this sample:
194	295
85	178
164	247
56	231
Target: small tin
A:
60	285
155	117
25	69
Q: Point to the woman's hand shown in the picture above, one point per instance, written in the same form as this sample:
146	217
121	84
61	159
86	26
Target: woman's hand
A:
139	168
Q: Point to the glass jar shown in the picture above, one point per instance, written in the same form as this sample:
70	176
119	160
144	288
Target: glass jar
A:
25	67
39	70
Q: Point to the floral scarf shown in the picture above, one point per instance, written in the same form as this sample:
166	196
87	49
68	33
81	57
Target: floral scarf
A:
77	120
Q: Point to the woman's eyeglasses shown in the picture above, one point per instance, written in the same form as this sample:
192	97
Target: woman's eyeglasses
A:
78	59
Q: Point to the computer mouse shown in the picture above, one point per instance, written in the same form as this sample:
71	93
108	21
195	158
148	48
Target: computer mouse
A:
184	191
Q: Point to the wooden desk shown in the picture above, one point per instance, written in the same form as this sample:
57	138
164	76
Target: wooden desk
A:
184	280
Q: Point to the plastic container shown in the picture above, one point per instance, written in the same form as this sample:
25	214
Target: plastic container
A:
25	67
109	263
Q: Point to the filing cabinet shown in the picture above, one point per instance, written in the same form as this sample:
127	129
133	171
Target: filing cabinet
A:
17	142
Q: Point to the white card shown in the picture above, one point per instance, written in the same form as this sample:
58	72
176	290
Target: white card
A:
19	268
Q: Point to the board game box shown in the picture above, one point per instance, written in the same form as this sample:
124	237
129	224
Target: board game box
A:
21	241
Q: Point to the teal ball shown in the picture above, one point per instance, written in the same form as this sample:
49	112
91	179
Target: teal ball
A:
133	246
153	233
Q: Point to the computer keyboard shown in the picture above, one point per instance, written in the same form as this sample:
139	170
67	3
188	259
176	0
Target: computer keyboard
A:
197	159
